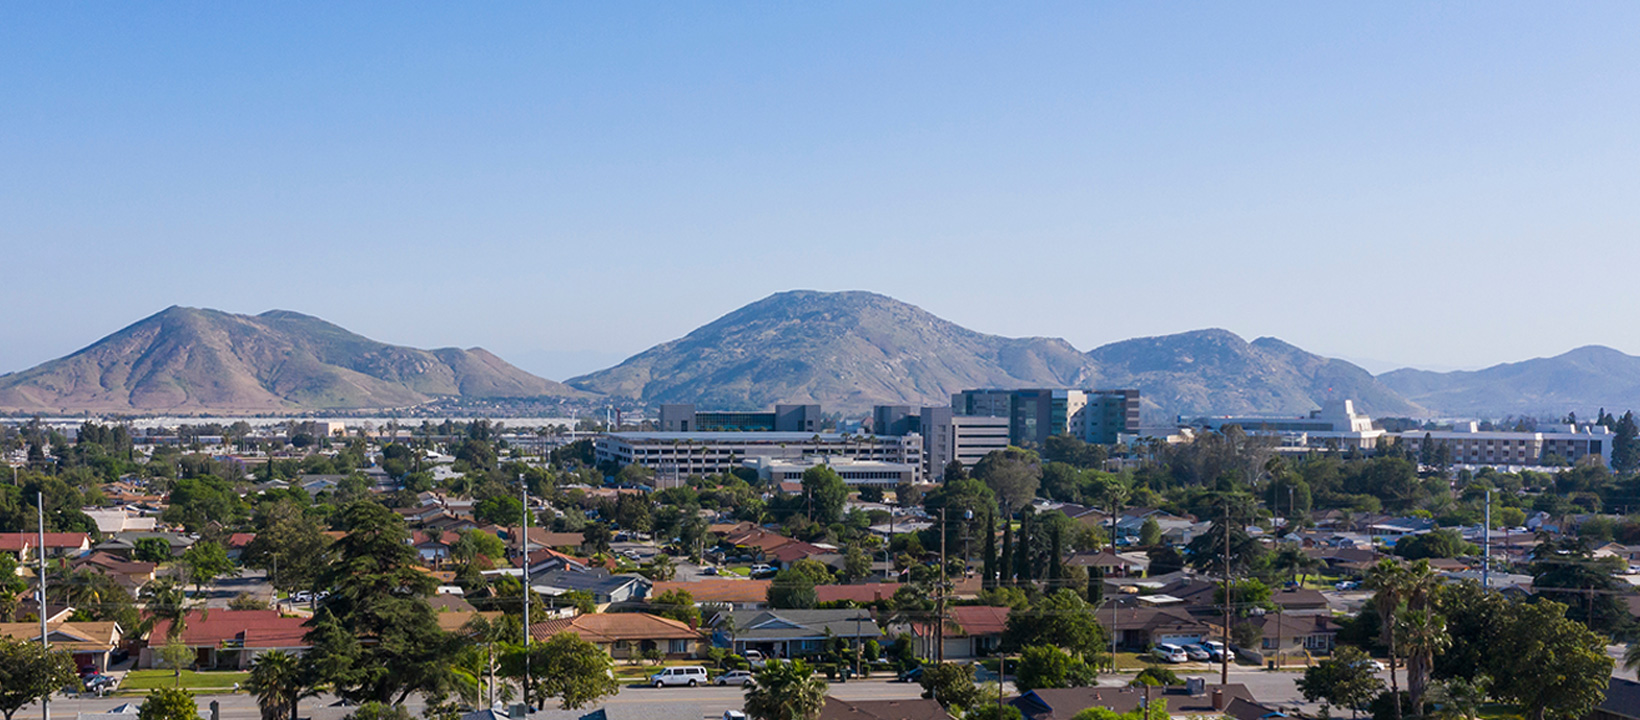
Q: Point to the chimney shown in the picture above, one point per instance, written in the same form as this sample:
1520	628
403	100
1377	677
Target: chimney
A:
1218	699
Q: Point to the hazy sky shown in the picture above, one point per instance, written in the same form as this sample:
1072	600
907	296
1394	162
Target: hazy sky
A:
1411	183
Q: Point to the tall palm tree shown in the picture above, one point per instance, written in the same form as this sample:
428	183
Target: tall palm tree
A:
1631	657
278	680
1423	636
1389	579
785	691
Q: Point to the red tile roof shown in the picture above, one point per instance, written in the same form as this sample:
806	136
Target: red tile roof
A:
718	590
971	620
240	540
605	628
867	593
219	626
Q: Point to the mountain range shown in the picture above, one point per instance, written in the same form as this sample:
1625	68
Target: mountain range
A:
844	350
189	360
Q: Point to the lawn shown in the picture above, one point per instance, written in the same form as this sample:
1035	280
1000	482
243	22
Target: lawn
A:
740	570
151	679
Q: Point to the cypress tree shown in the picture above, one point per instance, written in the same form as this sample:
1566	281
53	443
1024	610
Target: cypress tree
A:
1096	586
988	574
1023	574
1056	567
1006	568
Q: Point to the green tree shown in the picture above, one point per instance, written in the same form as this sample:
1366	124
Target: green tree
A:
29	672
475	544
205	562
566	667
379	596
1423	636
378	711
785	691
825	494
951	685
1063	620
1150	533
856	564
289	544
152	549
1046	666
678	605
279	682
1344	680
1554	667
168	704
1443	543
793	588
1013	474
177	656
12	587
1390	582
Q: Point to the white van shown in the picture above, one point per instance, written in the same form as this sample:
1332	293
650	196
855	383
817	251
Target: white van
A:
691	675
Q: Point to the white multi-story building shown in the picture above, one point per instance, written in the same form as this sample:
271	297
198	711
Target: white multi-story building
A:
853	472
1335	425
946	435
676	455
1466	444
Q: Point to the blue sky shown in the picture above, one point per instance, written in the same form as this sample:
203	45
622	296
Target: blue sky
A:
1443	185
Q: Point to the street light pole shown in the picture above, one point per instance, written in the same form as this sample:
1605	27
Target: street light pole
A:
45	639
524	546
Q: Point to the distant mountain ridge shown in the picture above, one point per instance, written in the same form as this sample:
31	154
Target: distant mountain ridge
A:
1216	372
851	350
190	360
1583	380
846	350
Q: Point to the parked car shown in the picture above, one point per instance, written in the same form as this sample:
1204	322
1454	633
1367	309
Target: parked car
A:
1198	653
691	675
734	677
760	570
709	570
1169	653
1213	648
733	715
912	675
755	659
1346	585
1373	665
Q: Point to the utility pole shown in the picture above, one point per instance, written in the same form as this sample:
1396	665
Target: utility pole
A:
45	639
524	545
939	627
1486	545
1224	658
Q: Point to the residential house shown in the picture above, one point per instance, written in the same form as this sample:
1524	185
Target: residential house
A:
548	560
626	635
90	643
1300	601
1288	633
792	633
604	587
228	639
1065	703
131	575
721	593
58	545
432	547
1137	628
861	594
1114	564
112	521
918	709
973	631
125	544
